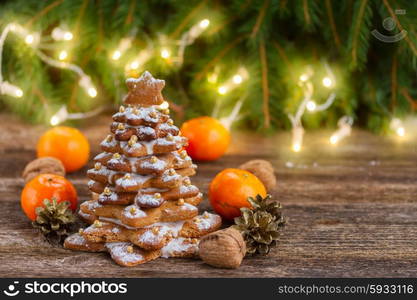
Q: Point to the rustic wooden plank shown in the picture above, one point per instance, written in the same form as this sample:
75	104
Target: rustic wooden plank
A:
352	210
321	240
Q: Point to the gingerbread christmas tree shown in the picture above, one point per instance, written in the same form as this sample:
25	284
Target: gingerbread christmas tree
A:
143	204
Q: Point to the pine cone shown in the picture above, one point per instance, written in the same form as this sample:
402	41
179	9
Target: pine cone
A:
260	225
55	221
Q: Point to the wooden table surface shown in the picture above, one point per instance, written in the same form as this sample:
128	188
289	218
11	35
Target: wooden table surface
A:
352	210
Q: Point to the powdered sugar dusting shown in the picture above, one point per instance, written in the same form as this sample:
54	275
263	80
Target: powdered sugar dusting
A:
167	127
84	215
174	227
153	190
206	221
185	189
132	211
113	197
177	246
115	230
142	113
103	171
119	251
90	183
117	222
145	130
76	239
167	177
148	200
109	142
159	165
91	205
101	155
132	180
187	206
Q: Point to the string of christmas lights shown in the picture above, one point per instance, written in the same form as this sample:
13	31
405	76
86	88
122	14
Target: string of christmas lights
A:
308	103
188	38
345	128
62	115
34	40
61	34
241	75
397	126
7	88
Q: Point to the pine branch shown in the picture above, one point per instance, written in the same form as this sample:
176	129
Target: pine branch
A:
400	27
329	10
394	83
221	26
129	18
306	13
187	19
41	96
411	101
359	34
283	4
43	12
80	17
260	18
245	5
282	54
100	29
249	33
219	56
265	88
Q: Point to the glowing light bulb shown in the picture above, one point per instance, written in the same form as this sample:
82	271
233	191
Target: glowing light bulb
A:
222	90
400	131
87	85
397	126
212	78
304	77
63	55
345	129
18	93
54	121
327	82
311	105
10	89
334	139
60	116
92	92
237	79
296	147
297	137
68	36
204	23
165	53
116	55
29	39
59	34
134	64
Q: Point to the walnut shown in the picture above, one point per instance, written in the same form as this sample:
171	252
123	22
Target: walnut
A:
223	249
43	165
263	170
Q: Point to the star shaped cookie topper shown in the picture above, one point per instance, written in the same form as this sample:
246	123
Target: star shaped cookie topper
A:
145	90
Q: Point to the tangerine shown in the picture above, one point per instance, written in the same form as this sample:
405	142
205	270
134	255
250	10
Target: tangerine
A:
208	139
46	186
230	189
67	144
